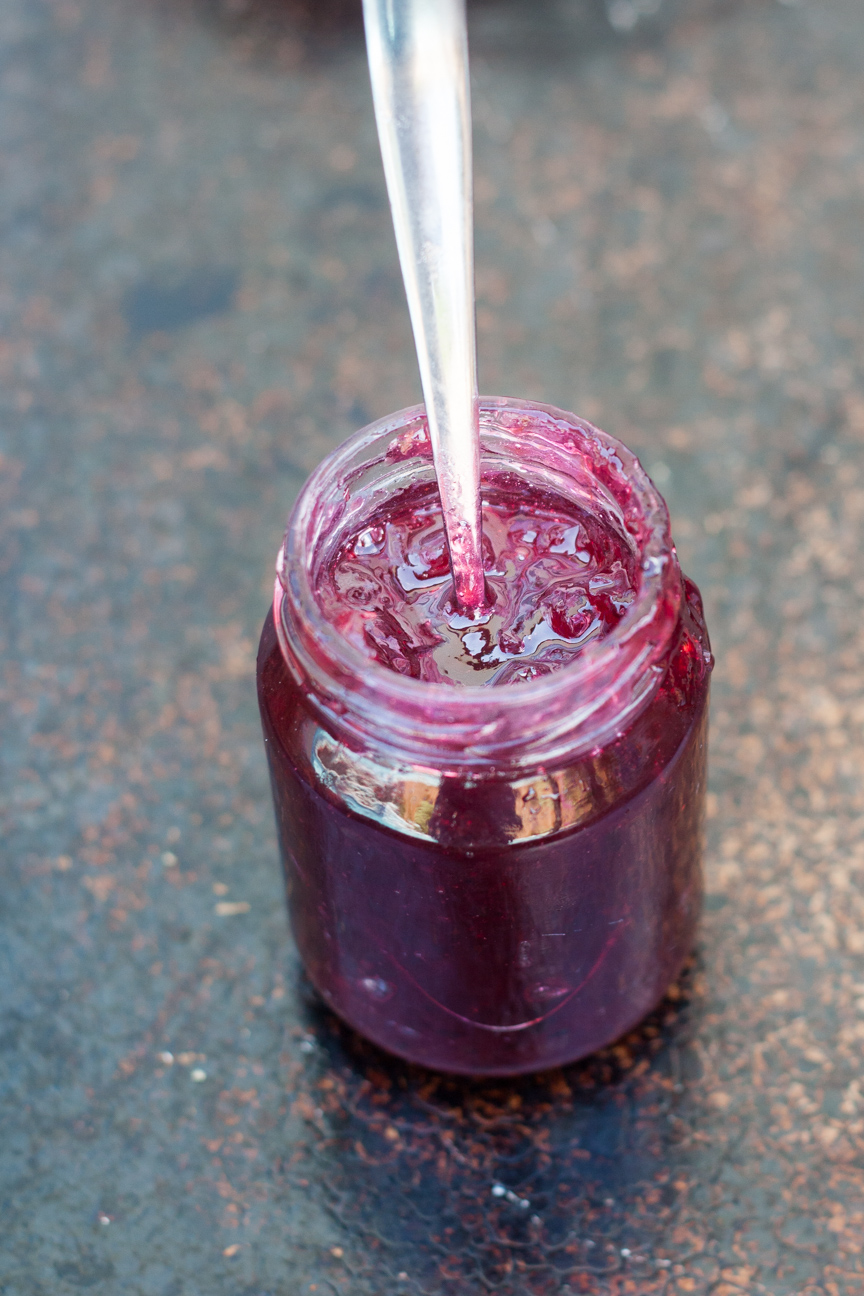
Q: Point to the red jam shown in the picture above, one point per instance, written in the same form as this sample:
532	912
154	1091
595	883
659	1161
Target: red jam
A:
486	907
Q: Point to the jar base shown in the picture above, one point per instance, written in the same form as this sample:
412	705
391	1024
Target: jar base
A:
431	1060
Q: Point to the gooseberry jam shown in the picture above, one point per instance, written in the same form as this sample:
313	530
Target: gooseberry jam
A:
490	824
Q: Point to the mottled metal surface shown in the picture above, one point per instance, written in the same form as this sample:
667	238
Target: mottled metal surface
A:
199	295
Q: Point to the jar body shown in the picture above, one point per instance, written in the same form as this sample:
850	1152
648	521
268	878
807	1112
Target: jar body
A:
480	952
490	880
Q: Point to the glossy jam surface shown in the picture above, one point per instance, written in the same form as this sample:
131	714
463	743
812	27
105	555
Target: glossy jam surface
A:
523	924
557	578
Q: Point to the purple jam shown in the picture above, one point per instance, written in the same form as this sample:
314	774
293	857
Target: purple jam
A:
491	916
556	579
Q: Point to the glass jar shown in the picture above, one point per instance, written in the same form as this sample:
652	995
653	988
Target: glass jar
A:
490	880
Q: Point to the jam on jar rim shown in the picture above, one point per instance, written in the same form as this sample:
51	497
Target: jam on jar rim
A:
574	709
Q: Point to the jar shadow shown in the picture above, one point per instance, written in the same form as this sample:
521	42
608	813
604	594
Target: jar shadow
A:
545	1183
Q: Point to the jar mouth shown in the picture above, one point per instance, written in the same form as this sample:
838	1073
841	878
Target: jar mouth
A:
568	710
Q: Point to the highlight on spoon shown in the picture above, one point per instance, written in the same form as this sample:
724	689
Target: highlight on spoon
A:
418	63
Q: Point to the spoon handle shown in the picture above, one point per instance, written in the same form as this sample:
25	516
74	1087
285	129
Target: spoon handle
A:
418	62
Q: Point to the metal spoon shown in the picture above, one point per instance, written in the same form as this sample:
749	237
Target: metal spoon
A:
418	62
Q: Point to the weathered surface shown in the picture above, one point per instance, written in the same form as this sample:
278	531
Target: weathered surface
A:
199	296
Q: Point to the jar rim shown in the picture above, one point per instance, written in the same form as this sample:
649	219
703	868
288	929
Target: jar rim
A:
609	680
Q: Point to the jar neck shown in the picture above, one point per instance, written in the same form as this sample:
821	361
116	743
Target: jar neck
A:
576	708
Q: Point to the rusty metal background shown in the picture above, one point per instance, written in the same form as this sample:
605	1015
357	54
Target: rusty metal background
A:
199	296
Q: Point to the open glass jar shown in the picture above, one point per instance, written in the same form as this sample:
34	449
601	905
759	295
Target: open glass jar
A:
503	879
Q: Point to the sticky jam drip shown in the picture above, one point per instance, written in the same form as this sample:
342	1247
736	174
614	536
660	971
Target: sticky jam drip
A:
557	579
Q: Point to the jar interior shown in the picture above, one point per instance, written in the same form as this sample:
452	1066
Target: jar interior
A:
537	445
542	455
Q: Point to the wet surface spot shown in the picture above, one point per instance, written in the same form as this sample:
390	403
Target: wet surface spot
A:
161	304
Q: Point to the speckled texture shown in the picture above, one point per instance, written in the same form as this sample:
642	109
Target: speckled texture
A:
199	296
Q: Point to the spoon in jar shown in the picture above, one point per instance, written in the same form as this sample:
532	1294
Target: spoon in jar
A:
418	63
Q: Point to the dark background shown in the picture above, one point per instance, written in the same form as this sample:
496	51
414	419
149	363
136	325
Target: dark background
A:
199	297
